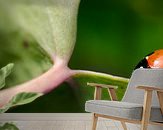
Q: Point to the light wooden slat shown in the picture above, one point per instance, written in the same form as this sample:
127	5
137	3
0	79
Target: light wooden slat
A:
97	93
151	88
97	96
94	122
146	109
119	119
160	98
112	94
124	125
102	85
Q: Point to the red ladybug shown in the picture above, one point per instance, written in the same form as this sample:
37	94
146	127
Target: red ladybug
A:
153	60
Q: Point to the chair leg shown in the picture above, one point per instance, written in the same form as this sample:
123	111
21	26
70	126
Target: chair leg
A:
124	125
144	127
94	123
146	109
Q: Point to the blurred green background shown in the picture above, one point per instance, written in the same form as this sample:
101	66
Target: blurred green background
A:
113	36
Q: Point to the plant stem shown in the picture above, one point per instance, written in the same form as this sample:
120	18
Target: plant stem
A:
80	73
42	84
52	79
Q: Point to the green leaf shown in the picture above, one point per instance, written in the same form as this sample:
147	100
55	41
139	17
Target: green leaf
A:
51	22
4	72
8	126
20	99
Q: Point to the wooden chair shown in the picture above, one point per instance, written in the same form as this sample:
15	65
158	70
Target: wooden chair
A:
137	106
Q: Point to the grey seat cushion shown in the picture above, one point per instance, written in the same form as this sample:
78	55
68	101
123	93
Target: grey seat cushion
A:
131	111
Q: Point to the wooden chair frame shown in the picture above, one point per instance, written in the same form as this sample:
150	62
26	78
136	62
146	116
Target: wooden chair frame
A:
146	106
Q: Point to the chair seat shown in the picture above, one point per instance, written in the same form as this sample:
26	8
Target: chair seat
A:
126	110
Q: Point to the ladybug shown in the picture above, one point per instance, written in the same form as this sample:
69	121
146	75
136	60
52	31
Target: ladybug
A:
152	60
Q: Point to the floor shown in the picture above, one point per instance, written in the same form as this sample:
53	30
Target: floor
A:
58	121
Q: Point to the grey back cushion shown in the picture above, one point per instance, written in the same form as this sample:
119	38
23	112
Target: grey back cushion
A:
143	77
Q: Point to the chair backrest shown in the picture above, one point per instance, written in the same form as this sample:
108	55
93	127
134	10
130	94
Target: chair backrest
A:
143	77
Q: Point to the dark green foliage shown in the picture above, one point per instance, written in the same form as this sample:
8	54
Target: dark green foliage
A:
8	126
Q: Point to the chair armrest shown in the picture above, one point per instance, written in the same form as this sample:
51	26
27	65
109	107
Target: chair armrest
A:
102	85
147	88
98	87
148	99
146	106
